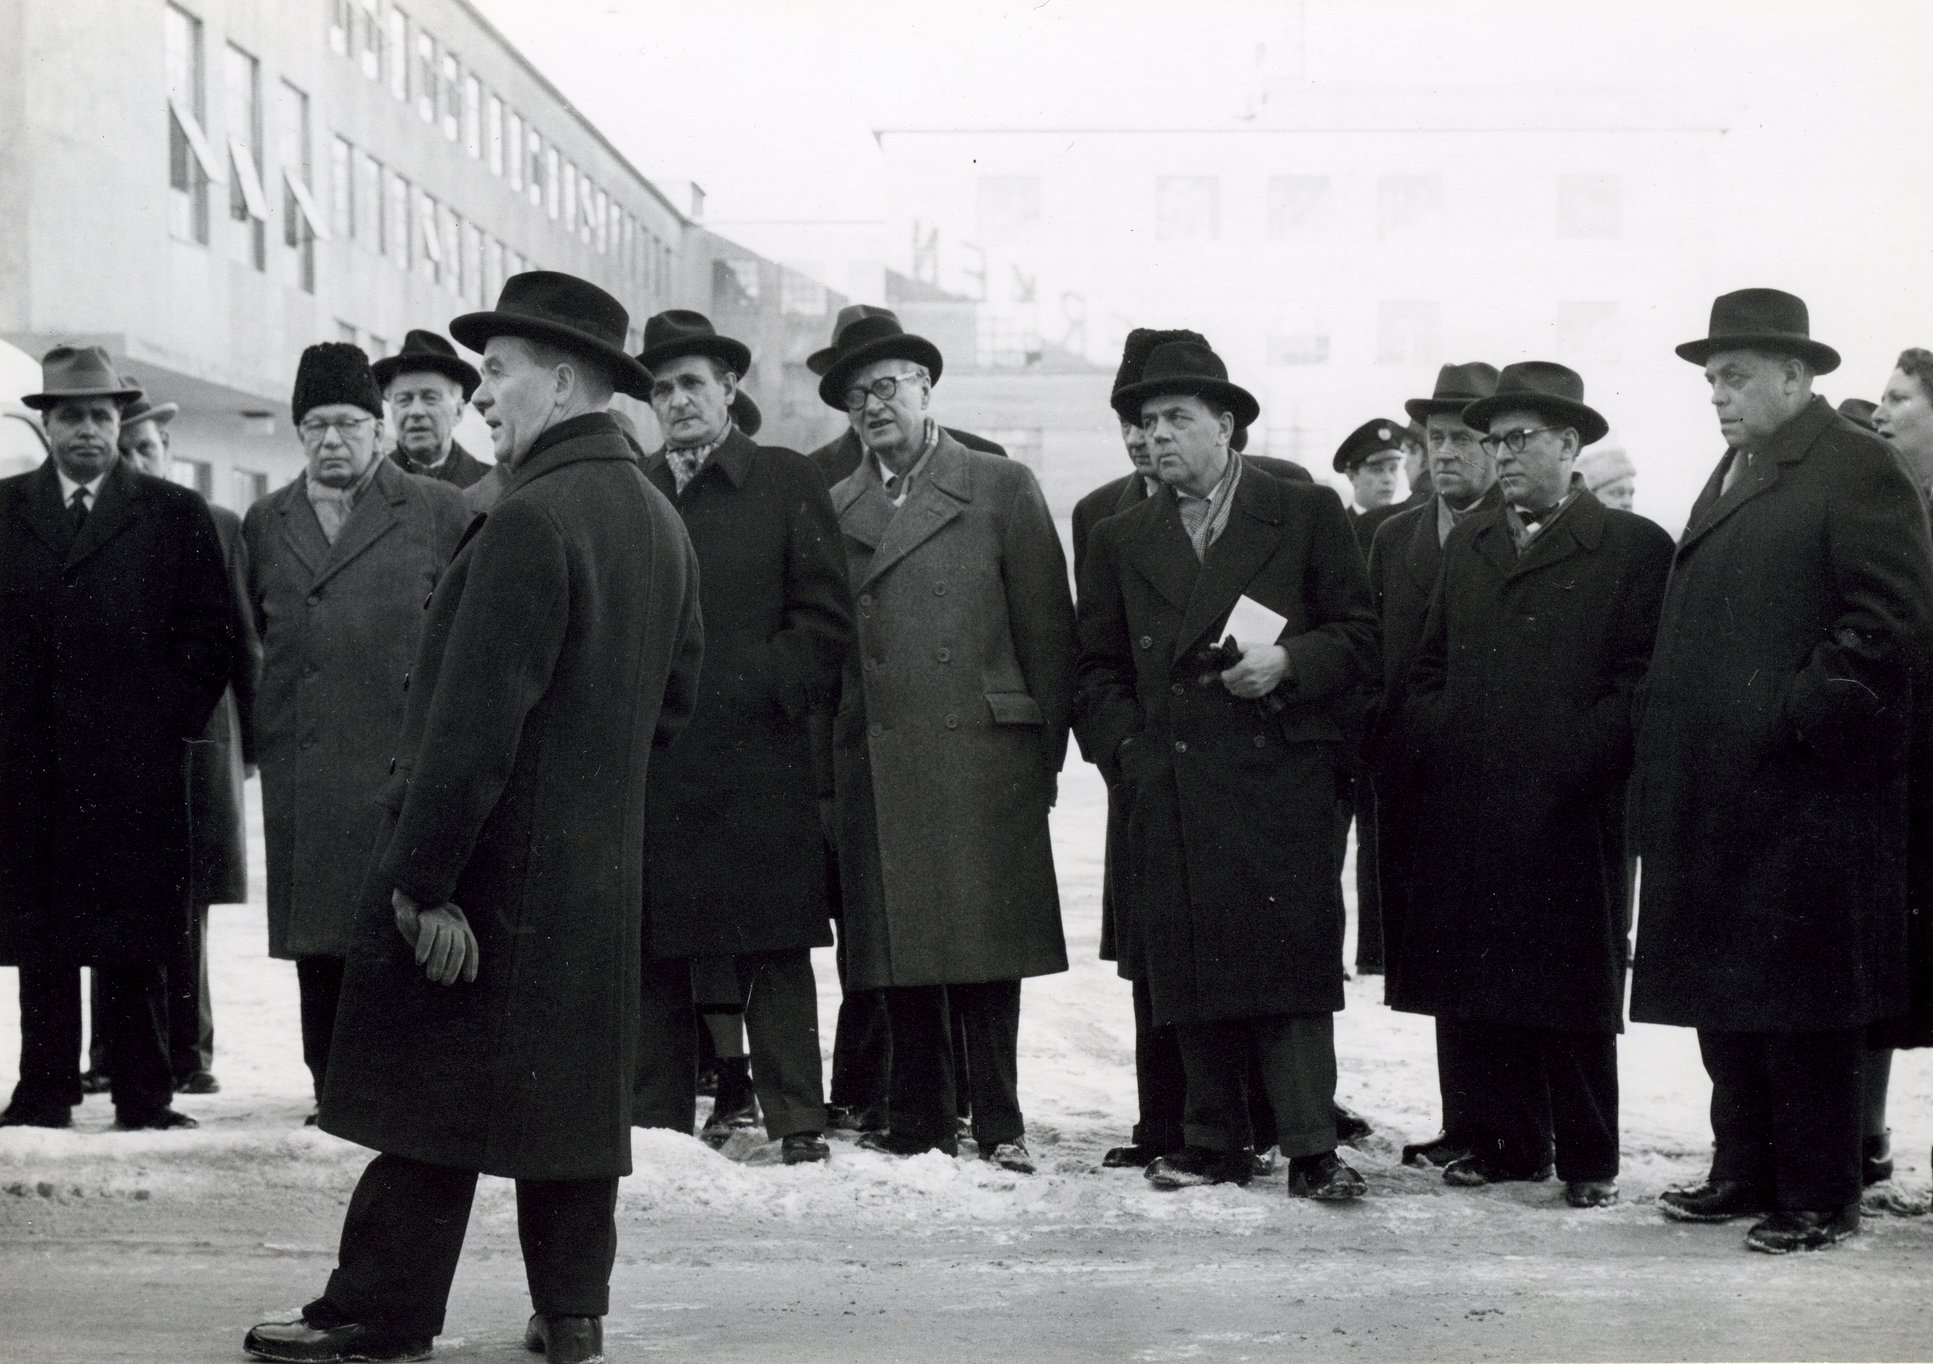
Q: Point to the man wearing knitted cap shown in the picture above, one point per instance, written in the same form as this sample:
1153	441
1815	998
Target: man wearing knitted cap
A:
338	564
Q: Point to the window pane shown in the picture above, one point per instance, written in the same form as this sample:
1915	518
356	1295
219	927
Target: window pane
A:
398	52
473	117
1186	207
342	195
425	81
369	200
396	236
242	122
187	178
371	55
339	27
551	182
514	152
493	134
451	89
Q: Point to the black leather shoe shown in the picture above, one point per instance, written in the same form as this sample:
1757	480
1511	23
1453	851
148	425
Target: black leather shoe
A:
1876	1161
1590	1193
736	1107
1262	1163
1351	1127
1193	1166
19	1116
96	1082
199	1082
153	1120
1473	1172
1785	1232
845	1118
1324	1178
804	1148
1440	1150
566	1340
893	1144
1715	1200
1010	1155
1134	1156
297	1342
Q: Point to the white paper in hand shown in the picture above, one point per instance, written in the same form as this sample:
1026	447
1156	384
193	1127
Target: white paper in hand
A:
1253	625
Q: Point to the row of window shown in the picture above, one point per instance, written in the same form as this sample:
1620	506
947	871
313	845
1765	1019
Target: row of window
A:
1408	332
1302	207
419	71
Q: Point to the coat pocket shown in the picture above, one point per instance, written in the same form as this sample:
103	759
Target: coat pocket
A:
1014	708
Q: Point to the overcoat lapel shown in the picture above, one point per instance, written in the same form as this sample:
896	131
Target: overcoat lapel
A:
1787	446
300	527
1250	537
940	495
114	511
863	508
373	517
44	513
1160	551
1424	556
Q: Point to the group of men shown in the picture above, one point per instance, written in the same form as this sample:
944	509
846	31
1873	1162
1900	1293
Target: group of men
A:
520	842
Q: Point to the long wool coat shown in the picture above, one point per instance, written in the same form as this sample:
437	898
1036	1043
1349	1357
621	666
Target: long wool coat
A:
952	724
735	858
339	625
116	643
1771	786
218	847
1232	903
561	646
1520	700
1404	561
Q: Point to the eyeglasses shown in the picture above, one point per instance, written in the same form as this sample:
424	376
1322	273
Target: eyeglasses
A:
882	388
314	429
1516	440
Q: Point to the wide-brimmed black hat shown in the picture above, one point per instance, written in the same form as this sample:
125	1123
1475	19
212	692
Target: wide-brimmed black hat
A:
1374	437
425	351
680	331
71	372
745	414
1542	386
1761	319
1457	386
1190	367
142	408
860	335
1140	344
1858	410
548	305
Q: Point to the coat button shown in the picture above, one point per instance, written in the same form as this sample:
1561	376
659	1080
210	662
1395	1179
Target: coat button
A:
315	599
872	665
939	589
875	729
952	722
1181	745
1261	741
392	767
944	655
1147	641
865	599
308	673
1177	688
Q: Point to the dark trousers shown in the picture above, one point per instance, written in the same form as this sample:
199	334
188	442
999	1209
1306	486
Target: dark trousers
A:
191	1015
1369	893
1786	1116
779	996
1161	1086
924	1086
318	980
1537	1086
404	1232
1456	1056
1298	1064
664	1092
862	1043
132	1019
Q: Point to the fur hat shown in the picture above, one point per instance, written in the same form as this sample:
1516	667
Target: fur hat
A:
334	372
1604	466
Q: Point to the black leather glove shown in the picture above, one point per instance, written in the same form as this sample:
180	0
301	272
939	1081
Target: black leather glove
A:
445	945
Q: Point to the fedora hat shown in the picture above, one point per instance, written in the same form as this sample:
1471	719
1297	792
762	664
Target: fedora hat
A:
548	305
1376	436
1761	319
860	335
70	372
680	331
1859	411
1140	344
1192	368
426	351
142	408
1457	386
1543	387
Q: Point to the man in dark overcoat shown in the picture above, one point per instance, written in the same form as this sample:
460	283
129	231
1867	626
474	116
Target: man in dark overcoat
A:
1231	909
1520	704
339	563
1772	799
490	1005
1404	560
947	745
425	386
119	629
1370	457
219	762
735	856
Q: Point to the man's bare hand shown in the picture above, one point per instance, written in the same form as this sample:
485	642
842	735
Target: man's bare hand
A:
1259	671
445	945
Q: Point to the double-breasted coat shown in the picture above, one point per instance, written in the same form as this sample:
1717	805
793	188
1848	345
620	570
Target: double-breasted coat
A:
1231	903
1404	561
218	761
1771	799
339	625
735	856
561	647
1519	702
952	724
117	643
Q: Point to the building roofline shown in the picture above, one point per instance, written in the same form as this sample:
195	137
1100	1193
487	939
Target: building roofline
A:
1074	130
550	88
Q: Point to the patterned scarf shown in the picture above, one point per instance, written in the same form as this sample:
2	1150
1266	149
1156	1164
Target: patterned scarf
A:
332	506
687	460
1204	518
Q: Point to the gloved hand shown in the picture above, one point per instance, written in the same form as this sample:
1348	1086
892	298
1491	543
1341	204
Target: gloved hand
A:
445	945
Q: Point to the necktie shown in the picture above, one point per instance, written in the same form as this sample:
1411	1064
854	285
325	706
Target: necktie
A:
79	504
892	486
1741	465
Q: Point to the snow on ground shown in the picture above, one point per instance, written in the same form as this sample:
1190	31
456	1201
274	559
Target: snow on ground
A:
1077	1088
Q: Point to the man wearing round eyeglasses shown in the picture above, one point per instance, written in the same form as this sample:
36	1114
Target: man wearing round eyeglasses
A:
339	562
1519	708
